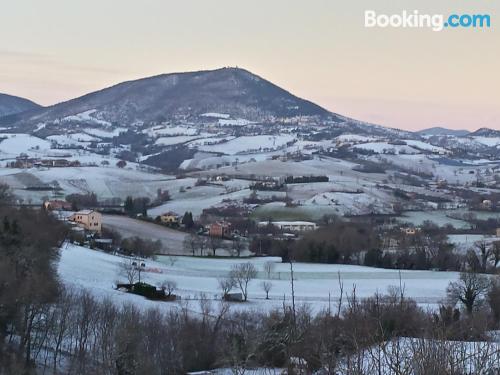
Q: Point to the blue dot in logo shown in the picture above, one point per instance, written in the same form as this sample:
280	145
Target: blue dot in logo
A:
446	24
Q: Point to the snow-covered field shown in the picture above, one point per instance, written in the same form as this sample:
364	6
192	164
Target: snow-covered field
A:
106	182
258	143
314	283
15	144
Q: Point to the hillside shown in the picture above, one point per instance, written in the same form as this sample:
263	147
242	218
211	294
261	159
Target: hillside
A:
232	91
11	105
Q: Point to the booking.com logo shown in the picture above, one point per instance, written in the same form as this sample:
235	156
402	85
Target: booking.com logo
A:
436	22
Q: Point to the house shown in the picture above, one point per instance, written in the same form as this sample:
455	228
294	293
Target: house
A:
410	231
219	229
88	219
291	226
57	205
170	218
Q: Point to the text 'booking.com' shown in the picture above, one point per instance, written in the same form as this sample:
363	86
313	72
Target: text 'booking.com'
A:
435	22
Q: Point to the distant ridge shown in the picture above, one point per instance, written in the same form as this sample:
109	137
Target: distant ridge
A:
443	131
12	105
485	132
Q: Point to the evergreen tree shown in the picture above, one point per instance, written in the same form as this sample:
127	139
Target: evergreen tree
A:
129	205
187	220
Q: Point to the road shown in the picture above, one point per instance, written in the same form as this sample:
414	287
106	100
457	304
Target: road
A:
128	227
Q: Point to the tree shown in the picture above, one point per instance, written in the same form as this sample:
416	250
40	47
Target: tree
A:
485	252
187	220
242	274
238	245
144	248
226	285
135	206
269	267
121	164
214	243
200	243
129	205
266	287
130	271
190	243
169	286
469	290
6	196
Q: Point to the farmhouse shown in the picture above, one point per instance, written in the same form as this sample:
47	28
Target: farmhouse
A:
170	218
88	219
410	231
291	226
220	229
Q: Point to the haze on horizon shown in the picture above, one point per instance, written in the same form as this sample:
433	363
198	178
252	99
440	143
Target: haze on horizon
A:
56	50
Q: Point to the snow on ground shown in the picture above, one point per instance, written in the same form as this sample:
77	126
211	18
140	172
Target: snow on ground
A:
384	147
170	130
211	140
255	144
86	117
73	138
106	182
97	271
102	133
216	115
440	218
235	122
197	199
488	141
355	138
169	141
424	146
15	144
441	168
68	140
352	203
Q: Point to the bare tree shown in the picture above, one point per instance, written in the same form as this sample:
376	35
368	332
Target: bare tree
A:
266	287
190	243
201	243
130	270
469	290
214	243
169	286
238	245
485	253
242	274
226	285
269	267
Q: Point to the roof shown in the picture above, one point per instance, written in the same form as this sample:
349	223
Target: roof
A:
84	212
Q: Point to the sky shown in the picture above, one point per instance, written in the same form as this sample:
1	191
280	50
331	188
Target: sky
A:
55	50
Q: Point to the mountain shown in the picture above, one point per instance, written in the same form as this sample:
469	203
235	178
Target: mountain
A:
231	91
443	131
485	132
11	105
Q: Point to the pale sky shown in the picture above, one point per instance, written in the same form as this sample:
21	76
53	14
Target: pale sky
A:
54	50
